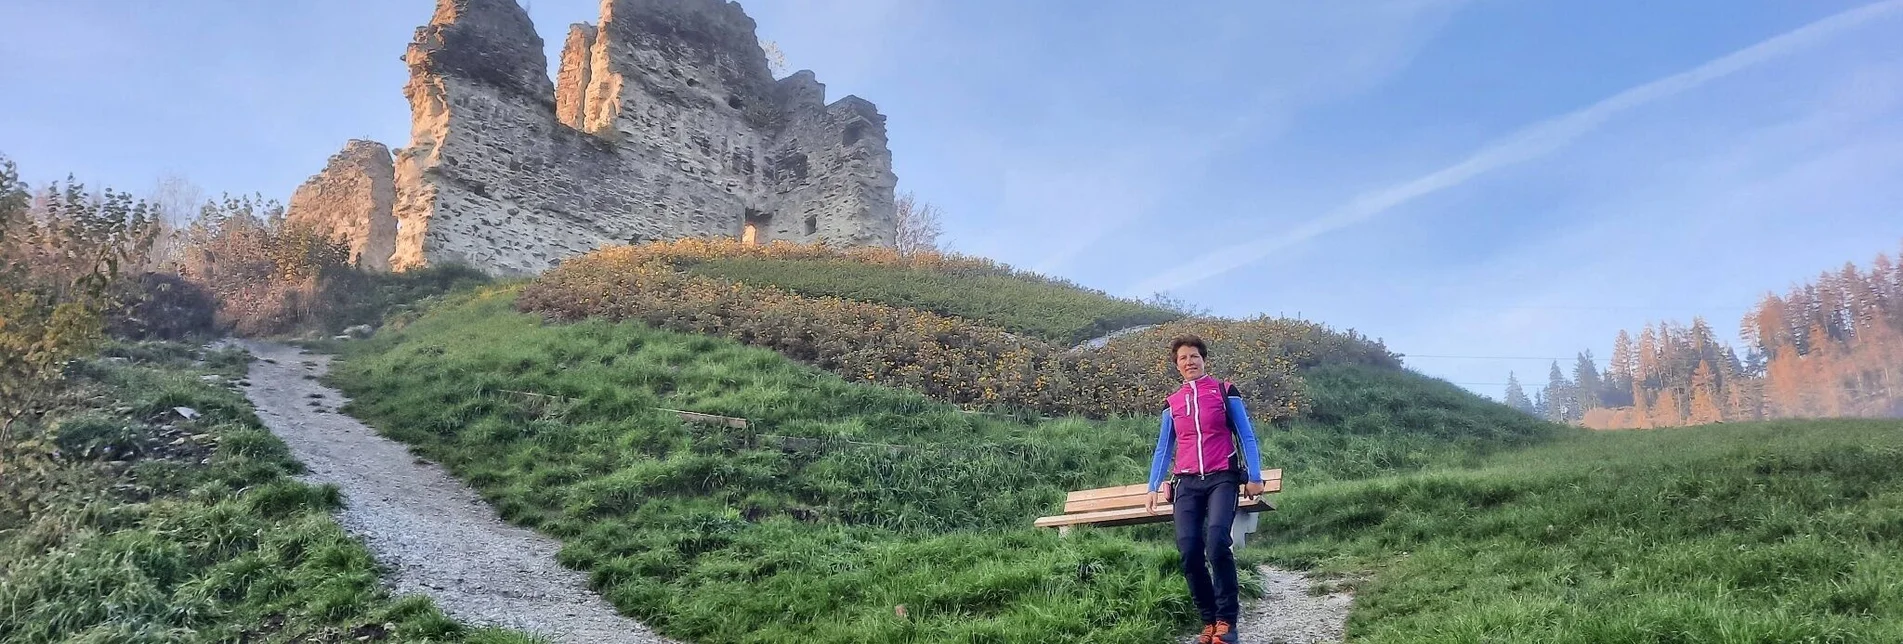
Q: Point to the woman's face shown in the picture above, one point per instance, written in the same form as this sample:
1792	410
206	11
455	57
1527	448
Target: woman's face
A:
1189	362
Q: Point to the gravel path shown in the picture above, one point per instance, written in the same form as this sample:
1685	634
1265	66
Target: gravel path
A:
436	536
1287	614
1100	341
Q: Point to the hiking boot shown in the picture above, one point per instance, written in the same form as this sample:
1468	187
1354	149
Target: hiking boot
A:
1223	632
1208	636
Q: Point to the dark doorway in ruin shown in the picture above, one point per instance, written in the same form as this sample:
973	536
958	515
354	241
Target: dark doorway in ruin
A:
812	224
752	225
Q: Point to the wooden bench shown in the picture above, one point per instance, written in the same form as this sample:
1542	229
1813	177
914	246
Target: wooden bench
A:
1123	505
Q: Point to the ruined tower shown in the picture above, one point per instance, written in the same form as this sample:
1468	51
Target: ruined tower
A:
663	122
352	199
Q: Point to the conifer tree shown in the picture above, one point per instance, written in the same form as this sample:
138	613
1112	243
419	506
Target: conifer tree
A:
1516	396
1588	391
1559	396
1705	397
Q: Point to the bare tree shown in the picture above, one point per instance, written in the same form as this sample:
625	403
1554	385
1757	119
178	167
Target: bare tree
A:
918	225
178	201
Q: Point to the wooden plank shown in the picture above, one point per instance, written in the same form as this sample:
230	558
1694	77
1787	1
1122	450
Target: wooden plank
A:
1272	482
1134	516
1114	502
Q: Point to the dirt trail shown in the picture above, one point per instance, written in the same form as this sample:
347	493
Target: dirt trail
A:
1287	614
436	536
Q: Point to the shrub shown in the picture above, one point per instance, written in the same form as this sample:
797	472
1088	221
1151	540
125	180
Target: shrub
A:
265	273
59	261
164	306
1050	312
947	358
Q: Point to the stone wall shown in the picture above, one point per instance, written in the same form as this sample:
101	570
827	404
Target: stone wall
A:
352	199
663	122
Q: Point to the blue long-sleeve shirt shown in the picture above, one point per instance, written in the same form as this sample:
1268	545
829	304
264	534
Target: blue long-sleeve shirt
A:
1166	443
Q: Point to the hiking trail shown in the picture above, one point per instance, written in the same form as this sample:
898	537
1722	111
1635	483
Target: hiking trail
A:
439	538
1288	614
433	534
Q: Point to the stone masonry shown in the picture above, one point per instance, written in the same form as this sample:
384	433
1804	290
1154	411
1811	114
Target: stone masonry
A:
663	122
351	199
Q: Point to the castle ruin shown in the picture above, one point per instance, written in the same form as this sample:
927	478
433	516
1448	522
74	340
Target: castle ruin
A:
663	122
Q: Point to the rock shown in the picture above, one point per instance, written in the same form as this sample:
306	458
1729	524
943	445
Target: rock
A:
351	199
664	122
187	412
361	331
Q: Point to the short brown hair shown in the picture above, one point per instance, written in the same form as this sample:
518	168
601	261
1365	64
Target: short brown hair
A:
1189	340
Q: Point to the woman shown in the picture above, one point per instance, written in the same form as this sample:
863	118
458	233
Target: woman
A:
1205	445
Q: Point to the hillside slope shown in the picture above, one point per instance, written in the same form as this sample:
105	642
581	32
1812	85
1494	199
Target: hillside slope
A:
124	521
1763	532
839	502
950	327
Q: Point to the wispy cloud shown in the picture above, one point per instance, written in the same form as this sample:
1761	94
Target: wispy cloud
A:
1788	191
1527	144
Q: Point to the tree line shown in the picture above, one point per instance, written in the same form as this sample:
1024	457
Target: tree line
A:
1829	347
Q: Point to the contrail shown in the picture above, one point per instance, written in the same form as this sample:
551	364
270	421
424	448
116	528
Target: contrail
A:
1528	143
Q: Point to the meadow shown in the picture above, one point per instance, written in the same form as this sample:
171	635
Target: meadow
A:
840	502
121	521
1786	531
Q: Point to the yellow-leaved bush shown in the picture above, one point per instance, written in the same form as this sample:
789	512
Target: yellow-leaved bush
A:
959	361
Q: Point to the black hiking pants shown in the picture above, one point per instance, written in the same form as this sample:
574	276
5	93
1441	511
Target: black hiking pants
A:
1205	509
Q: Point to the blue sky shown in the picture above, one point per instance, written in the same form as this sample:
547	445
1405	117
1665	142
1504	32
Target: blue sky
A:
1462	178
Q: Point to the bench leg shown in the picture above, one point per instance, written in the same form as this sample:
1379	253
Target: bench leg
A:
1240	528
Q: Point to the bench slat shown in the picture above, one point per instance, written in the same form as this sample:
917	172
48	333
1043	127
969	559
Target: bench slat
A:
1272	482
1115	502
1134	516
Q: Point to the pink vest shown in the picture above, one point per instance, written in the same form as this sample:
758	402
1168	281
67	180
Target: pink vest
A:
1199	415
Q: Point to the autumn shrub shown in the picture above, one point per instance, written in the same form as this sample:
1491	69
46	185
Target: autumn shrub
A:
265	271
60	262
948	358
1047	311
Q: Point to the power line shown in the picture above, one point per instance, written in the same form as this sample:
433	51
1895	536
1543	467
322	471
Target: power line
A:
1422	355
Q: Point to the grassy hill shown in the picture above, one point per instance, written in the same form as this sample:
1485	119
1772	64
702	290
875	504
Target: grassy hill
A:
1763	532
1049	311
120	521
854	492
843	499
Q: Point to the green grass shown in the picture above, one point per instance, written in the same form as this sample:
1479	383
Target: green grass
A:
724	535
1050	311
1455	519
371	298
116	528
1771	532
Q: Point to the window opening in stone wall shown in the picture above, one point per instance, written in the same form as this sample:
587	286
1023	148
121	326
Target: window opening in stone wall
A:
812	224
852	134
750	229
734	102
